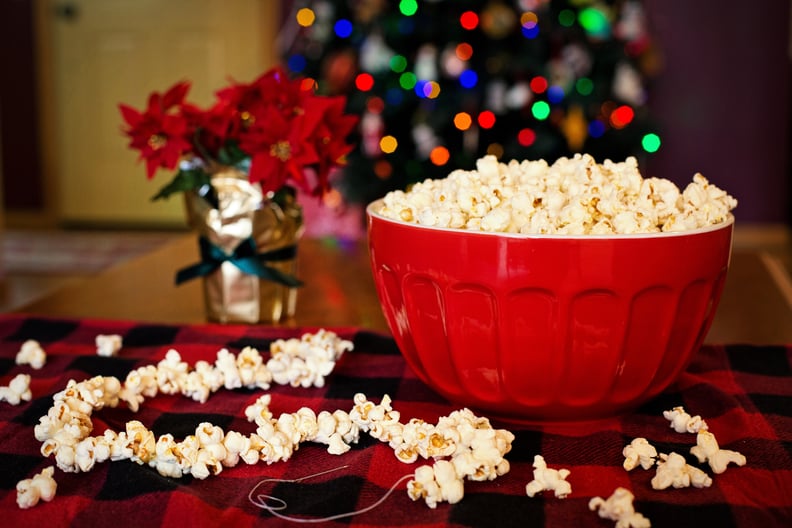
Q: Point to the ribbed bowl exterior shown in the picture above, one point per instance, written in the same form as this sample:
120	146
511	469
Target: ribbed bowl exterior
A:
547	328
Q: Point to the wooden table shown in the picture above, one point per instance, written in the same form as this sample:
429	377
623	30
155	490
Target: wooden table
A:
756	306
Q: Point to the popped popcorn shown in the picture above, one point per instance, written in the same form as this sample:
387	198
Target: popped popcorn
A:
108	345
619	507
707	449
673	470
639	452
546	479
682	422
40	487
31	354
17	391
574	196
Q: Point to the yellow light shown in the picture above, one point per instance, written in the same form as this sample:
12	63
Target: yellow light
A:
305	17
463	121
432	90
388	144
529	19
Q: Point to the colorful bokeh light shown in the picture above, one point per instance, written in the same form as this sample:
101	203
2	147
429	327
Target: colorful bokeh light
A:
486	119
464	51
651	142
407	80
622	116
408	7
469	20
468	78
595	22
306	17
540	110
596	128
398	63
343	28
388	144
463	121
538	84
526	137
584	86
439	156
364	82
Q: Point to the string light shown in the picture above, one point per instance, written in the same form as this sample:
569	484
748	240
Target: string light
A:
388	144
296	63
584	86
364	82
439	156
464	51
468	78
343	28
595	22
651	142
596	128
486	119
383	169
540	110
463	121
555	94
566	17
398	63
526	137
306	17
469	20
408	7
538	84
621	116
407	80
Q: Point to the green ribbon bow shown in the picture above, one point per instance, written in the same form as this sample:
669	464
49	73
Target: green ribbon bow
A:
243	257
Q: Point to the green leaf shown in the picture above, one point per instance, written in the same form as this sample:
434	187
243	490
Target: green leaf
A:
185	180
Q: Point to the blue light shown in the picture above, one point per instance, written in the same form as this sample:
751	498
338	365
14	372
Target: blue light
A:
394	96
555	94
468	79
420	89
343	28
296	63
406	25
530	30
596	128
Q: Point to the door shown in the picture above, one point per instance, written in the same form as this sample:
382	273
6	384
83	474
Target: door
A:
104	52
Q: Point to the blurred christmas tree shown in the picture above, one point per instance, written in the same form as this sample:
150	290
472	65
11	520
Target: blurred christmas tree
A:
440	83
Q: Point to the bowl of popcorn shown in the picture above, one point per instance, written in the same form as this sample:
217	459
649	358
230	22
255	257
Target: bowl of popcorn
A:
550	292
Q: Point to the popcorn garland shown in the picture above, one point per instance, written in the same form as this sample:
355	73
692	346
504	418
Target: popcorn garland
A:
463	445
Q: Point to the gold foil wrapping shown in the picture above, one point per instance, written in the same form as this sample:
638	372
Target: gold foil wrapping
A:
231	295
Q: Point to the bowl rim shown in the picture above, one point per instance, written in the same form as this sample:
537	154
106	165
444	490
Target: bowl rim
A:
370	212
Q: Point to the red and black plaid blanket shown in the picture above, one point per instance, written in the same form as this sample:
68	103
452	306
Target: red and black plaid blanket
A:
743	392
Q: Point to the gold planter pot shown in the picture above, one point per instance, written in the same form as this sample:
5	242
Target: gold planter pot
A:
234	221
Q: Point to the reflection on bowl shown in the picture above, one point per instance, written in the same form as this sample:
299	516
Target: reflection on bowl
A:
547	327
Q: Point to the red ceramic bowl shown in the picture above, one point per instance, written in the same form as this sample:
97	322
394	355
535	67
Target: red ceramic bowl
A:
547	327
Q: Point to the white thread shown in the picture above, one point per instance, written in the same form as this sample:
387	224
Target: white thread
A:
261	499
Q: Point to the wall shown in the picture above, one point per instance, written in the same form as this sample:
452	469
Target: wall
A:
723	99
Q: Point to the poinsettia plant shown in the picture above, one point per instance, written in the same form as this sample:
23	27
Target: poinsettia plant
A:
275	129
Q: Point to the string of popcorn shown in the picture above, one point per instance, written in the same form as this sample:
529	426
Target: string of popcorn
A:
463	445
573	196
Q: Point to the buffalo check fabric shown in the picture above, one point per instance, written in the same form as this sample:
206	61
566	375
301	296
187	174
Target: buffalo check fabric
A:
743	392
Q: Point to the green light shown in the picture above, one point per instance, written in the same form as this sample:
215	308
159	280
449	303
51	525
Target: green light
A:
407	80
584	86
540	110
398	63
566	17
594	21
408	7
651	142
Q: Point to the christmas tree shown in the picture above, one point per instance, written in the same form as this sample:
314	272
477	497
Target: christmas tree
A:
440	83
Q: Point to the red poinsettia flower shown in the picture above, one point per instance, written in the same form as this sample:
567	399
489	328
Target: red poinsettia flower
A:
159	134
280	150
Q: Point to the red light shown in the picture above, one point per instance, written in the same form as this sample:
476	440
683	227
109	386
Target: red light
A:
538	85
364	82
622	116
469	20
486	119
526	137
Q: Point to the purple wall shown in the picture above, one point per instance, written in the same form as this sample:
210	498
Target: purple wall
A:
723	99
